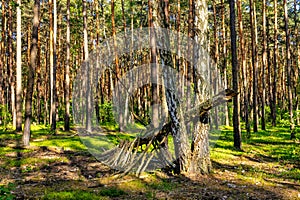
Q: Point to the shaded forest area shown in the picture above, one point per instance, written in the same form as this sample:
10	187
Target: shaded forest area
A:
73	73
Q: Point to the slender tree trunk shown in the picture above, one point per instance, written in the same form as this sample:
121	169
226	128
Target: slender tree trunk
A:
235	79
297	61
264	67
216	40
254	62
67	73
117	67
154	73
19	70
87	68
10	67
275	56
289	70
31	73
2	59
224	70
244	67
52	21
39	78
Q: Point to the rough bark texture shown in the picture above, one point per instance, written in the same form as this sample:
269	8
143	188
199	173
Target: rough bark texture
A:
31	73
200	158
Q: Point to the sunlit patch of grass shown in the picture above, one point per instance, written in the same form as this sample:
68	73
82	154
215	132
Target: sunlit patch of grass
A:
33	163
266	155
68	143
75	194
293	173
133	185
6	151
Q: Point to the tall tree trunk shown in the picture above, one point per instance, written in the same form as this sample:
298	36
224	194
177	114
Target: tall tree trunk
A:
31	72
297	61
87	68
10	67
19	70
39	78
216	59
117	67
235	79
154	72
199	158
67	73
264	67
289	70
275	56
254	62
224	67
52	21
244	67
2	59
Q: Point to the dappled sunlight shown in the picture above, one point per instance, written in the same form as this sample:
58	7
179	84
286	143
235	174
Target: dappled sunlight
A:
59	166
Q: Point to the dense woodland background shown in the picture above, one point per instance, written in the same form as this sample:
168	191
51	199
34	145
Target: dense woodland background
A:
45	54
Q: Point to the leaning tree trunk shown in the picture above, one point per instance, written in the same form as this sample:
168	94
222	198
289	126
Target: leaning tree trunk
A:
31	71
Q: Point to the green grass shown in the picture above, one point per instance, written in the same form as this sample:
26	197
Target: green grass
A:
103	194
266	155
72	195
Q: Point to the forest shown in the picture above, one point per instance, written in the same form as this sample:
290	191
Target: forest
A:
156	99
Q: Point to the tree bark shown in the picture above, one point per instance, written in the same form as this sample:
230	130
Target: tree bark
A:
275	56
52	21
31	73
244	67
235	79
289	70
19	70
264	67
153	63
67	73
254	62
224	67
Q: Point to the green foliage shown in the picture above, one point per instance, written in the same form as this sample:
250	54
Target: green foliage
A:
106	112
5	192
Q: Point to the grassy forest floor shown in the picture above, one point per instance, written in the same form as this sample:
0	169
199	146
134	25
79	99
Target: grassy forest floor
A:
60	167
